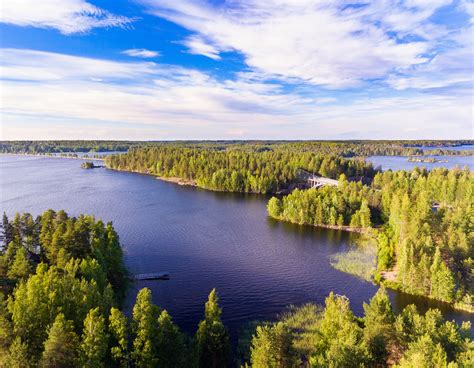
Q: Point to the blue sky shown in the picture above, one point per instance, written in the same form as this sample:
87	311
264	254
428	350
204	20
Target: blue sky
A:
250	69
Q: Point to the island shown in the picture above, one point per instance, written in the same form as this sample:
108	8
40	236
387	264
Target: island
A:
90	165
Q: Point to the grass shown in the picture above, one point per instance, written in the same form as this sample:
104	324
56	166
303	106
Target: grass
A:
360	261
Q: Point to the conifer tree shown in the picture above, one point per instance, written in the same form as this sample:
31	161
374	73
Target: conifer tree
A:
17	356
119	338
62	346
378	322
340	343
212	339
21	267
144	324
272	347
94	340
170	343
442	281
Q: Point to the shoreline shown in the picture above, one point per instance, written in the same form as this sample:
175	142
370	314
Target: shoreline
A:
49	156
390	284
345	228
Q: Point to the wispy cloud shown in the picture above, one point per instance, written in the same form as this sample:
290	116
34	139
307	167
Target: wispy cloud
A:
67	16
334	44
197	45
141	53
171	102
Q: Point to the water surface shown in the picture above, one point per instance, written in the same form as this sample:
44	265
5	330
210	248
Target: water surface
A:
204	239
401	162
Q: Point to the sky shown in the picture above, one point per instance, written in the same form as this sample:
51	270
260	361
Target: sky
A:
248	69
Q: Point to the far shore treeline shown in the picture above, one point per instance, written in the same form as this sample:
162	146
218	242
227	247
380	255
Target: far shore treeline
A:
346	148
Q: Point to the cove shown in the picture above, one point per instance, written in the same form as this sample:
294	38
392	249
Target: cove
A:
203	239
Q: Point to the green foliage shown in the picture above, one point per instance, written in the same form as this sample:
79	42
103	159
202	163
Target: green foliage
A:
346	205
212	339
62	346
424	353
252	168
144	327
170	343
274	207
17	356
341	341
272	347
118	327
21	267
45	147
94	343
333	337
427	219
378	332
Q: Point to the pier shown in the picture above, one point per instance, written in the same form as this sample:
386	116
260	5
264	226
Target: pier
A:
151	276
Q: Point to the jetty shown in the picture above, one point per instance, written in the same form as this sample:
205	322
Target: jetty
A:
151	276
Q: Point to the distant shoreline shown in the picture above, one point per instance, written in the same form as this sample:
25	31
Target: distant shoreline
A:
49	156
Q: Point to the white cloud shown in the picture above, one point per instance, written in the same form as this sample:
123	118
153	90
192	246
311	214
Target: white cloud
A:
143	53
327	43
451	67
101	98
67	16
196	45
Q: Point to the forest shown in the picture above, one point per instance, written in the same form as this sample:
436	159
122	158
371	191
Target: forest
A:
422	221
339	148
242	169
56	146
63	281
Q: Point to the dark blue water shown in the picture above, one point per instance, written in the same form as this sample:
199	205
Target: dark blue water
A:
204	239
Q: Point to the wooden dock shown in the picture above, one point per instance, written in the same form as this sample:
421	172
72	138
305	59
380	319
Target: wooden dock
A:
151	276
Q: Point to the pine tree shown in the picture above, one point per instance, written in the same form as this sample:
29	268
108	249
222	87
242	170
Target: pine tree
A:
442	281
119	338
378	321
170	343
424	353
272	347
21	267
145	315
62	345
8	234
364	215
212	339
340	343
274	207
94	340
17	356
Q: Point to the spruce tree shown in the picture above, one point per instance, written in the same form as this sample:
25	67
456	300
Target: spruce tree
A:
17	356
145	329
378	320
170	343
119	338
21	267
212	339
272	347
62	346
94	340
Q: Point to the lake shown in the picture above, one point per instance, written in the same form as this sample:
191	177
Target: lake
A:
401	162
204	239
